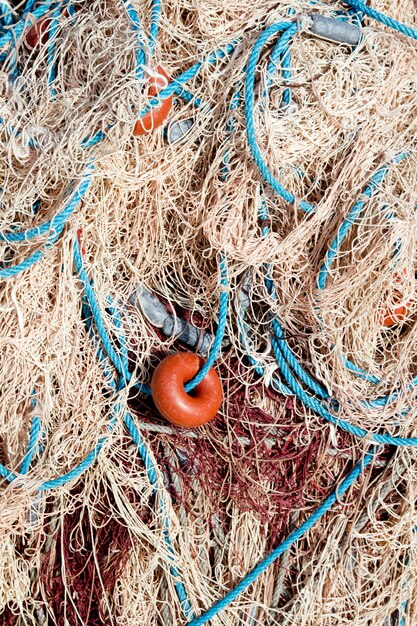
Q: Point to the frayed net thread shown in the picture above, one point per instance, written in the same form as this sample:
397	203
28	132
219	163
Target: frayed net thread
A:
160	214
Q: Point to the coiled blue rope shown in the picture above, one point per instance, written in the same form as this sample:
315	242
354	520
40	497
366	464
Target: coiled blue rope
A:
281	349
53	228
293	373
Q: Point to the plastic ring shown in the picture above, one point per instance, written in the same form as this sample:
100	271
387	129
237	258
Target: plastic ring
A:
399	313
188	410
158	114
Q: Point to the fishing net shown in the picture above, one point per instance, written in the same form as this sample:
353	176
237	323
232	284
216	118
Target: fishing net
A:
109	544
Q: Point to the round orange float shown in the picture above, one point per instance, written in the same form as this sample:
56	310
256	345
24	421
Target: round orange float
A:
38	32
188	410
399	313
158	114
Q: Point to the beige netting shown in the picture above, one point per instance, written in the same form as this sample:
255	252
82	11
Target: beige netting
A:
93	551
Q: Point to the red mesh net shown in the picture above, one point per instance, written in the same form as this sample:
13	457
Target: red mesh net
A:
92	557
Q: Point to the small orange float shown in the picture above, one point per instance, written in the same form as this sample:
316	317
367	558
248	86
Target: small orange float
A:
158	114
38	32
81	241
188	410
399	313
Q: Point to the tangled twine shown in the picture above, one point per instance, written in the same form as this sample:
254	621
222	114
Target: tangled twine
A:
298	273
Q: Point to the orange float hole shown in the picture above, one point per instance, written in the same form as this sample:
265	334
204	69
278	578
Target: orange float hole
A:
188	410
399	313
158	114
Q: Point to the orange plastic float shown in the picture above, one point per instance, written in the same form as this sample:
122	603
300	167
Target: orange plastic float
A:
81	241
38	31
188	410
399	313
158	114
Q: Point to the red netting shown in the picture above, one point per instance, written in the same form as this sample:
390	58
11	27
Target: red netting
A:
8	617
260	462
90	558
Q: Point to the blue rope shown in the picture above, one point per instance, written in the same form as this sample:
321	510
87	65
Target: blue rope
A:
55	227
6	14
153	479
35	431
280	49
16	30
141	445
218	339
404	29
137	29
29	6
284	356
285	545
59	220
292	371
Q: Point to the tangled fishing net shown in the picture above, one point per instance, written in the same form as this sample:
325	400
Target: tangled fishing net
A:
283	183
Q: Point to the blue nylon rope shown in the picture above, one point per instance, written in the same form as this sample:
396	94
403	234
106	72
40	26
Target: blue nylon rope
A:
364	9
217	343
285	545
137	28
292	371
29	6
6	14
285	357
53	228
263	168
140	444
58	221
277	345
35	431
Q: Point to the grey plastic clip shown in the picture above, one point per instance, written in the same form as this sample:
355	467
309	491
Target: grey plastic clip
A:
156	313
334	30
152	308
189	334
178	130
